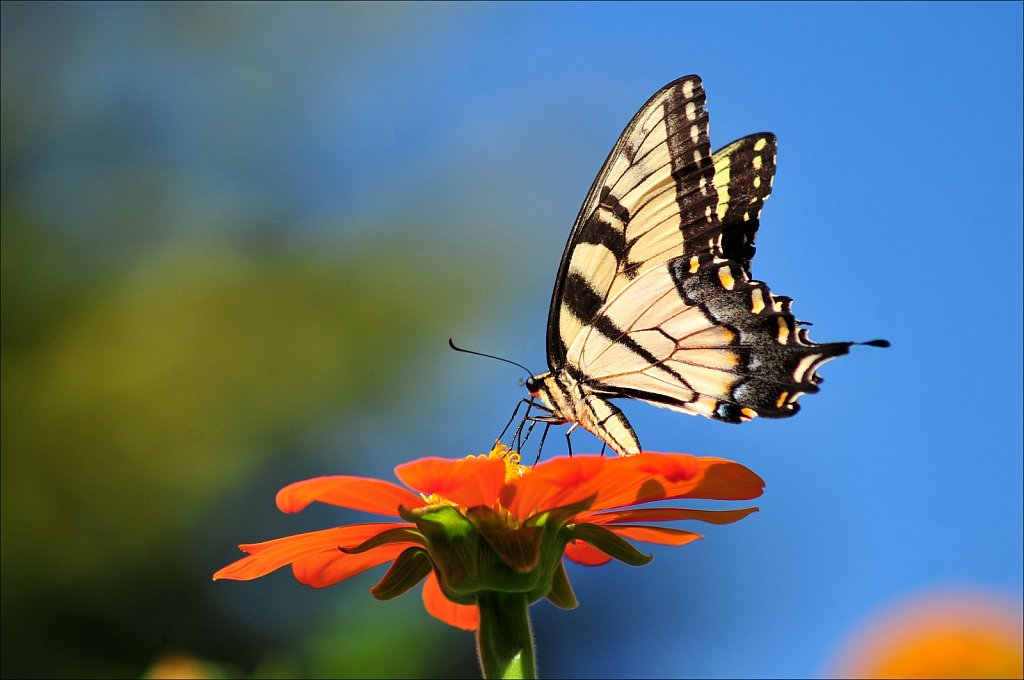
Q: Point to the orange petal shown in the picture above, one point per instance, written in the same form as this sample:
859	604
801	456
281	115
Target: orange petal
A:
586	554
616	482
332	566
555	483
644	477
662	535
675	467
719	479
464	616
650	477
666	515
468	482
272	555
632	480
358	493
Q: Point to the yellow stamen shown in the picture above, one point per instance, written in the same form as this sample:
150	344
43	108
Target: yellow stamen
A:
513	469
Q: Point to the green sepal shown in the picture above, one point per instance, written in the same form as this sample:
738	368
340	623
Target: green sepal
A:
437	520
408	569
518	548
609	543
401	535
561	594
464	561
479	552
556	517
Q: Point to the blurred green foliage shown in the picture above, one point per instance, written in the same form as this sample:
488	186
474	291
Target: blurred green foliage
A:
133	397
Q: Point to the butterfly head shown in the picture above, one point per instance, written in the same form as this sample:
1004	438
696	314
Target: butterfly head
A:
552	395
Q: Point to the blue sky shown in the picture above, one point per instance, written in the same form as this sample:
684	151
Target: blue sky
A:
896	213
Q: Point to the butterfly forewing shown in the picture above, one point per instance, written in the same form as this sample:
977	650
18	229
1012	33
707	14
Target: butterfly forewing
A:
653	200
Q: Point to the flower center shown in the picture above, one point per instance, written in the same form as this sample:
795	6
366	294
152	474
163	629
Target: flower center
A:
513	471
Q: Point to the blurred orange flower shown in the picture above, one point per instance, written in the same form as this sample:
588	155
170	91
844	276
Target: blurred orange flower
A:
954	634
488	523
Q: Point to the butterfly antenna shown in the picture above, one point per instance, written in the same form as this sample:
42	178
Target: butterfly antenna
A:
875	343
455	347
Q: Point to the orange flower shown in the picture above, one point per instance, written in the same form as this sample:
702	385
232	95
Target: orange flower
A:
942	634
488	524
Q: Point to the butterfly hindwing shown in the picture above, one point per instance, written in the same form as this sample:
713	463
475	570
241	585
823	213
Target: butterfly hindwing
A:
744	173
709	341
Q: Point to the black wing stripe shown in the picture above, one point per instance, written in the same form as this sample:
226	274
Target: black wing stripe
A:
694	170
609	201
599	231
582	300
652	397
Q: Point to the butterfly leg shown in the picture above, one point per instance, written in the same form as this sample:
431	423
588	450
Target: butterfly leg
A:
517	435
548	422
549	418
525	437
543	436
568	437
513	417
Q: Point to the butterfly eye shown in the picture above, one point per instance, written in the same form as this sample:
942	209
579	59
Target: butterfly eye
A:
533	386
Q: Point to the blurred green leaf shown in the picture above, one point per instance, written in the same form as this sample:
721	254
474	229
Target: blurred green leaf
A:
155	389
170	381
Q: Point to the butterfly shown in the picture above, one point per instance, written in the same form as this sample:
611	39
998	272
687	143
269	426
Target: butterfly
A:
654	299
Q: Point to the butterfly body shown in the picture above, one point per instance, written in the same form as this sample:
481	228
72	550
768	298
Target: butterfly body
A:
570	400
654	300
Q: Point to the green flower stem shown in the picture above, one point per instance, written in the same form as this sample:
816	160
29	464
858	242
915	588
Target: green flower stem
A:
505	638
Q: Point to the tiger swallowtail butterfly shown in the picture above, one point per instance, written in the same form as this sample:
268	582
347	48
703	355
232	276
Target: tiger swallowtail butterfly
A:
654	299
